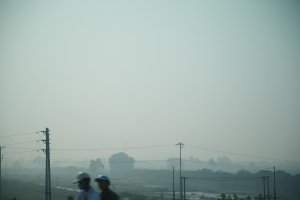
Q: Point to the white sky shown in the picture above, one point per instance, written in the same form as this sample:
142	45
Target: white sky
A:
216	74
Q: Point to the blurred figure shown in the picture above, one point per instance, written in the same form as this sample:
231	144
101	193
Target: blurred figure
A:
70	197
106	193
87	192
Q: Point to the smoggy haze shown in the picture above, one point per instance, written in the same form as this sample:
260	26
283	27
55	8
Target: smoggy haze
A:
216	74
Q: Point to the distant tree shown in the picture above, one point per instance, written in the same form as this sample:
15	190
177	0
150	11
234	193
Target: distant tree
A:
235	197
39	161
100	163
96	165
121	161
93	166
191	158
248	198
211	162
194	160
224	160
259	197
206	171
229	197
243	173
222	197
17	164
71	169
175	162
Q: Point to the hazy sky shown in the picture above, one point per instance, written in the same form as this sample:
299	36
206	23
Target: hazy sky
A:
104	74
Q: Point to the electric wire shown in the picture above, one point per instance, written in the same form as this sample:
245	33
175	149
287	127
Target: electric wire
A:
168	179
222	178
97	149
29	157
239	154
19	148
27	167
18	152
142	147
156	146
122	161
18	143
158	160
18	134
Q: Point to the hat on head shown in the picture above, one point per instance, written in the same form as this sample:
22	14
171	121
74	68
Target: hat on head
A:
80	176
102	178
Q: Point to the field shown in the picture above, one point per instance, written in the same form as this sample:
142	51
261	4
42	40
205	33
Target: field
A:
149	183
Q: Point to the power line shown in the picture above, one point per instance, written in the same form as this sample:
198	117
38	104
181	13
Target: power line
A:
101	161
235	165
19	152
31	155
222	178
239	154
212	173
19	148
227	180
19	143
168	179
158	160
141	147
18	134
96	149
295	171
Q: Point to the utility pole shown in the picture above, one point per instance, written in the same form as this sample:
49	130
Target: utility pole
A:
180	147
6	168
38	179
184	187
162	192
114	186
48	173
173	185
56	181
268	188
264	179
274	185
1	157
